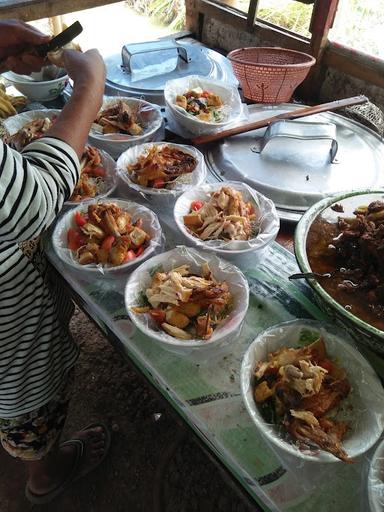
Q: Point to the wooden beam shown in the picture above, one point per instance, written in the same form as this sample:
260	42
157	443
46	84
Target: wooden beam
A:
252	13
29	10
366	68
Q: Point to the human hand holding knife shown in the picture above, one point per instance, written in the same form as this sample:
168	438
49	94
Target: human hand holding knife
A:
23	57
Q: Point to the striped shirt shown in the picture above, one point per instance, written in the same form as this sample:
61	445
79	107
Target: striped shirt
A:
36	347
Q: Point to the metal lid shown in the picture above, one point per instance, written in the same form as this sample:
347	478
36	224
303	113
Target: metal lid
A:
296	164
142	69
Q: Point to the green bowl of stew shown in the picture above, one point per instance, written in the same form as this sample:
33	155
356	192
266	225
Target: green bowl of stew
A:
346	296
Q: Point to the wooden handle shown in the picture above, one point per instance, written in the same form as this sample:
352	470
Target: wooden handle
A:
301	112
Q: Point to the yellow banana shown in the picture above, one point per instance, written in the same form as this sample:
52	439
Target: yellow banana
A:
18	101
7	107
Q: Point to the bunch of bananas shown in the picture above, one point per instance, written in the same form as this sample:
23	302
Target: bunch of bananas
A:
9	104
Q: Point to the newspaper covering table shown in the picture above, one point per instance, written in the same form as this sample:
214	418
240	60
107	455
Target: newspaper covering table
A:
207	393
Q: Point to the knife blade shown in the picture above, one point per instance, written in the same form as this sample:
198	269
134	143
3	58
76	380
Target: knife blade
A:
57	42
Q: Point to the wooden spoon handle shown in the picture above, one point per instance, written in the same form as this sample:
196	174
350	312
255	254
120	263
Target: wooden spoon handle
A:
301	112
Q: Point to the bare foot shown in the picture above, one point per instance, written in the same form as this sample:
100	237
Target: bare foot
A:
51	472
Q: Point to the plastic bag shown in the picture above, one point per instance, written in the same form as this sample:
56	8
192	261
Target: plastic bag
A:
231	111
151	226
376	480
105	185
224	334
184	182
363	408
148	116
15	123
267	219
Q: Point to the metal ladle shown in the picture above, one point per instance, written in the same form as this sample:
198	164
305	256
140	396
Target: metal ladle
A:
310	275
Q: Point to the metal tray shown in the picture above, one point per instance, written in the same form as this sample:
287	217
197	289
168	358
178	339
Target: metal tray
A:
297	171
153	63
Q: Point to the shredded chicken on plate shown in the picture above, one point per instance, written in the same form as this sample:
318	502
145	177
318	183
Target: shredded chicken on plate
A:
298	388
225	216
92	175
119	118
30	132
186	305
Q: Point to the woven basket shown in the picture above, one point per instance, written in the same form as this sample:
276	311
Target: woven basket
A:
270	75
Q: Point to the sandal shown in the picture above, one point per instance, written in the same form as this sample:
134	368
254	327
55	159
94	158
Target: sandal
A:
77	472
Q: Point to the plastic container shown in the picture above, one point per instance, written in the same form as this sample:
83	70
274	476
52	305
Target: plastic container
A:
224	334
149	117
15	123
232	109
237	251
270	75
108	184
150	224
162	196
363	408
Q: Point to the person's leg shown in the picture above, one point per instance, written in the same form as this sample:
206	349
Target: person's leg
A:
34	439
48	473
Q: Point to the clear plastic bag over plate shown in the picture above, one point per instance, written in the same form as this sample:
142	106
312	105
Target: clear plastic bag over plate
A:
224	334
231	110
267	221
150	225
148	117
182	183
363	408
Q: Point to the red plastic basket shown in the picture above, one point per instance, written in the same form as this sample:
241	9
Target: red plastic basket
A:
270	75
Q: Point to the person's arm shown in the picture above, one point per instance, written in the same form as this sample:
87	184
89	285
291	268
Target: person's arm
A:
88	73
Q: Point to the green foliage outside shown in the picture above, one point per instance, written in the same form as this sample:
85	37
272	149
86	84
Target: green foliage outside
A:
166	12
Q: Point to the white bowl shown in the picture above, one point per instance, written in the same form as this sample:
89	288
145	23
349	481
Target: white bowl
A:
234	250
13	124
228	93
149	116
376	480
191	180
224	334
366	398
109	184
37	90
150	224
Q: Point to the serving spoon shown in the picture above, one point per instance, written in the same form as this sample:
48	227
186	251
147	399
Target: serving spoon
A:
310	275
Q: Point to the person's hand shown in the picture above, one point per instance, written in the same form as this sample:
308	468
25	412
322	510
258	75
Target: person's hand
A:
16	46
87	67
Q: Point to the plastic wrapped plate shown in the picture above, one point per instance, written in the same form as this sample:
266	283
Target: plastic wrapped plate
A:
148	116
267	221
105	185
224	334
15	123
376	480
363	409
184	182
231	110
150	224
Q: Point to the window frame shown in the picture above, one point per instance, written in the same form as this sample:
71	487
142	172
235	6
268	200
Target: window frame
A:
330	54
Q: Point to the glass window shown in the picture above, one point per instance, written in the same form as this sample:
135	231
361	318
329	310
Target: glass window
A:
290	14
359	24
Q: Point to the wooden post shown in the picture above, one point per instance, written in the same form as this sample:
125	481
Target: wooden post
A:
56	24
323	15
252	13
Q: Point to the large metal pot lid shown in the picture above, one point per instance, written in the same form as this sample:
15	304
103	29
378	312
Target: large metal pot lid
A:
295	167
141	69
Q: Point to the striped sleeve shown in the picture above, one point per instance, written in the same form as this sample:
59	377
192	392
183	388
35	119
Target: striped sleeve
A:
33	186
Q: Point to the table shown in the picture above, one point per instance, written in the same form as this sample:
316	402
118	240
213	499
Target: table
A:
206	394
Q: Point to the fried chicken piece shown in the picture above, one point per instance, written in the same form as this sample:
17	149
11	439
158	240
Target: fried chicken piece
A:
328	441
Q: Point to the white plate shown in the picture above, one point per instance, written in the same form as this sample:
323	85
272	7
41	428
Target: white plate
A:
366	398
150	224
224	334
